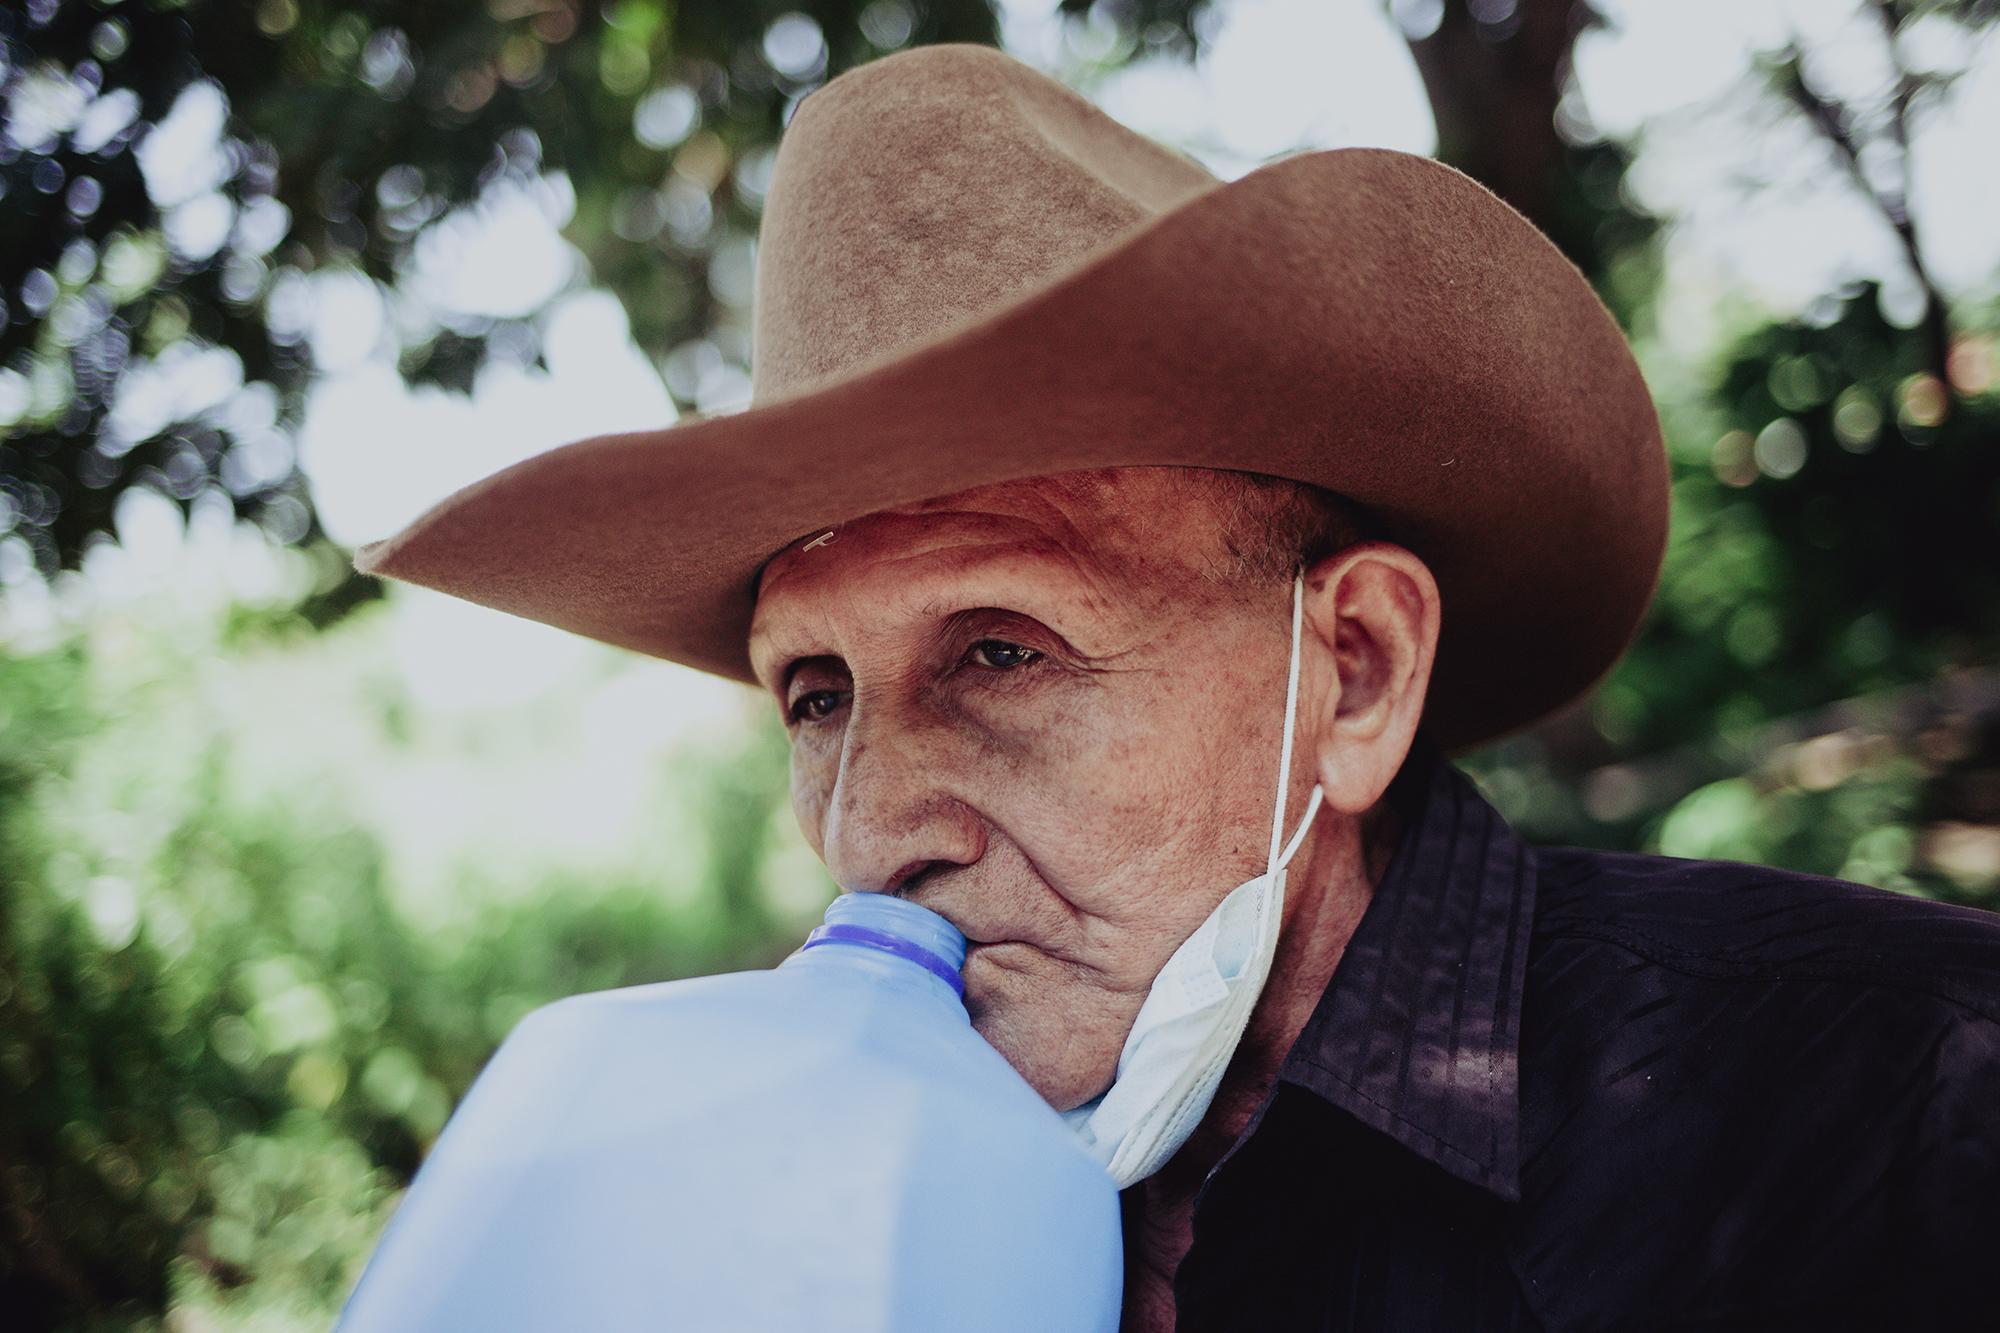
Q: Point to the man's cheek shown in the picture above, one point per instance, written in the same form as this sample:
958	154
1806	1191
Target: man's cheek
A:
1047	1033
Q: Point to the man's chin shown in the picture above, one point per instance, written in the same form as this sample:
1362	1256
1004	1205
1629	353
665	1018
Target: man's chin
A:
1034	1044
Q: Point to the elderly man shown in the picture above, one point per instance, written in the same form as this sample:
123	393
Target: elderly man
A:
1081	494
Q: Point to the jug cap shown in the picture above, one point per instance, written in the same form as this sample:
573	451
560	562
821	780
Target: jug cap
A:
895	926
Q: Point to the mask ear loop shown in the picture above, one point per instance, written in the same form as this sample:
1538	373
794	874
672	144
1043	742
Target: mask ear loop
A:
1285	754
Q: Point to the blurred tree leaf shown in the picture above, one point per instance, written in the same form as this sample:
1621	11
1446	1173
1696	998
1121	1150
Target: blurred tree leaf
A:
172	170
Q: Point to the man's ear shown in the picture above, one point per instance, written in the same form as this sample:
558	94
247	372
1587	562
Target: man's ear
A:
1374	610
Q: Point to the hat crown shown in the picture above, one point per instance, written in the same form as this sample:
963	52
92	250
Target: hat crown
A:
925	189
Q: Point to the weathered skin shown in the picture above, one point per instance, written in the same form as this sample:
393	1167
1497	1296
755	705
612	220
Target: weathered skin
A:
1078	808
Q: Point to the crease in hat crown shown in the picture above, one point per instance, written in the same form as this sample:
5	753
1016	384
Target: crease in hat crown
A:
920	191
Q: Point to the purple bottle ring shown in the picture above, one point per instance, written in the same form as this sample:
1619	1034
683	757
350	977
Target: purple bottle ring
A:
842	931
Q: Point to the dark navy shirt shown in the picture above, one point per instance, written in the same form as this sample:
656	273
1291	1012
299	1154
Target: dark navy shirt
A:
1561	1089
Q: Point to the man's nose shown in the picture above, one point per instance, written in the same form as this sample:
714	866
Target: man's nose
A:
892	820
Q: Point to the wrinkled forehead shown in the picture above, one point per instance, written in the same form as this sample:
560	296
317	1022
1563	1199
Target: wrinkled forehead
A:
896	549
1081	515
1114	535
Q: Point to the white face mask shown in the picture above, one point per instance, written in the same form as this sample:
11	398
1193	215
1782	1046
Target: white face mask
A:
1198	1006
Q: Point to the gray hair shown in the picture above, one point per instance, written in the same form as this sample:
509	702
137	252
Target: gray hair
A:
1271	526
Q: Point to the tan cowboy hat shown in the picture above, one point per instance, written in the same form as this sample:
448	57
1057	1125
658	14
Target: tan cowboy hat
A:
967	273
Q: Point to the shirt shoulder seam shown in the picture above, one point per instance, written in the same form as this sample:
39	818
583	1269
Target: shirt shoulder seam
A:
1723	967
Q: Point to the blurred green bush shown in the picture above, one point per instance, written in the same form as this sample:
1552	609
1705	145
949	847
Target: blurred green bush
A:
224	1042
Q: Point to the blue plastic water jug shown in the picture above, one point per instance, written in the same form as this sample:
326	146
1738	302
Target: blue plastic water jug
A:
823	1145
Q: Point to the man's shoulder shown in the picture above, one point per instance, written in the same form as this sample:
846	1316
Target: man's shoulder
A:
1736	920
1767	1089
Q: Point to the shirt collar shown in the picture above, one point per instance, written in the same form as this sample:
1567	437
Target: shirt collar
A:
1418	1032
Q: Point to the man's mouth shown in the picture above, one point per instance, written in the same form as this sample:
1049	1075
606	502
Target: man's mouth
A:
982	940
974	932
974	938
993	951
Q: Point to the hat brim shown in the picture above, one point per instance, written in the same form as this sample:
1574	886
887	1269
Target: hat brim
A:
1367	320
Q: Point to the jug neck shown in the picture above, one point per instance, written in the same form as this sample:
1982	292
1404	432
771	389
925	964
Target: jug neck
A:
897	928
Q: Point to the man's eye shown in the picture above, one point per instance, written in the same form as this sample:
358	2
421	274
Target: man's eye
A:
814	705
999	655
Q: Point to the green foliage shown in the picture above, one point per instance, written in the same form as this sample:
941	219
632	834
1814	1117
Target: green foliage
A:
1836	536
224	1043
1813	685
352	126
